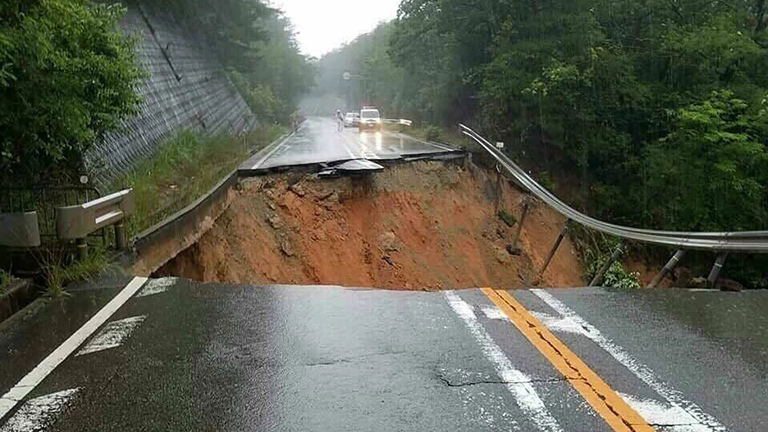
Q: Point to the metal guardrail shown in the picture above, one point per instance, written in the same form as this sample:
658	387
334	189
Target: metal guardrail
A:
403	122
720	242
44	199
78	221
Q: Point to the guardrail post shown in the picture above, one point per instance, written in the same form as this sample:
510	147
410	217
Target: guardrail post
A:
519	231
499	190
715	272
614	256
82	249
120	241
556	246
667	268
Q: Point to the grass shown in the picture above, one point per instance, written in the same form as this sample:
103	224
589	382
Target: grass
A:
5	281
59	269
185	168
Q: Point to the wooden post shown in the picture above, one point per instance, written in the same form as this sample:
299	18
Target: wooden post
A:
516	238
556	246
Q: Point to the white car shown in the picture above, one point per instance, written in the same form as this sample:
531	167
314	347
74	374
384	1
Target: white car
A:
352	119
370	119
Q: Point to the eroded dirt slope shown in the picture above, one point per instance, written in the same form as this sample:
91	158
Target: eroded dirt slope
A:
425	225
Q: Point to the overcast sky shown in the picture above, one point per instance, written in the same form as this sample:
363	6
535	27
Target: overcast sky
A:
323	25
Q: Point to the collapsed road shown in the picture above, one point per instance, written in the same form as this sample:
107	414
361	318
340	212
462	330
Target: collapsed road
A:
240	350
189	356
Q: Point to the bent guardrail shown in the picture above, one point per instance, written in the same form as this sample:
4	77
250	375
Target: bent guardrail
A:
720	242
78	221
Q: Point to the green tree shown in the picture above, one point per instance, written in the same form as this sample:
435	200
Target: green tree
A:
710	168
67	77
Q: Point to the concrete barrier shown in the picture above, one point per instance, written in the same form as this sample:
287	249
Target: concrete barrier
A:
156	246
19	229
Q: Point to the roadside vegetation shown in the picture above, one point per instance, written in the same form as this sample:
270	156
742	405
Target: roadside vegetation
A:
596	248
5	281
69	76
256	44
185	168
59	269
646	113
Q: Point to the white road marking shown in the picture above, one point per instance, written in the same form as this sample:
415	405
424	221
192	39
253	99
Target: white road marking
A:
673	396
674	418
517	383
564	324
38	414
271	152
9	400
157	286
112	335
494	313
346	148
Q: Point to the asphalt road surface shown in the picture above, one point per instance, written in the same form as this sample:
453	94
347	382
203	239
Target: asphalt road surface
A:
172	355
318	141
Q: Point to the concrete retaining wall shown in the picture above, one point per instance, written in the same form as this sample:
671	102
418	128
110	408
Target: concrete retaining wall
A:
186	89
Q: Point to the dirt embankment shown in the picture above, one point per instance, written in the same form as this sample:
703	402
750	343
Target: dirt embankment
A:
425	225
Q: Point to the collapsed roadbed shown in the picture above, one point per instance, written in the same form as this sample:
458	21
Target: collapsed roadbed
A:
418	225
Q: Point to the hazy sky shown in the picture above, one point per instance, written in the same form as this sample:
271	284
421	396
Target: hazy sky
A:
323	25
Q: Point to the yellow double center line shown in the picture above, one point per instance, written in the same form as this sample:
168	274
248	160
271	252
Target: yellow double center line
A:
611	407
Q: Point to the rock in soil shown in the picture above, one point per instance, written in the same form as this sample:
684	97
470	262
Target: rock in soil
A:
275	221
502	255
729	285
298	190
286	249
387	242
697	282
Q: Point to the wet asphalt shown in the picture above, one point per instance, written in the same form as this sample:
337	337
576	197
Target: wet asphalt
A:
254	358
318	141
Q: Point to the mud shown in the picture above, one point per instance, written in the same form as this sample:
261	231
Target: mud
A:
418	226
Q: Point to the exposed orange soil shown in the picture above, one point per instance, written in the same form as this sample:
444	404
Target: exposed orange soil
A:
425	225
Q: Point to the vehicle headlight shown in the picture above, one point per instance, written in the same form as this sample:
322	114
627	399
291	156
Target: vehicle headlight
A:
378	120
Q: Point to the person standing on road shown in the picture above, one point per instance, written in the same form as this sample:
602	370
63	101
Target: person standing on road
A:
339	120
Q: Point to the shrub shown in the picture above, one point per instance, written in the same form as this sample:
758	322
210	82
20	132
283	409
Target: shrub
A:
432	133
67	77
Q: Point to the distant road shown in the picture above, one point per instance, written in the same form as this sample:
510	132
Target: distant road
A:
319	141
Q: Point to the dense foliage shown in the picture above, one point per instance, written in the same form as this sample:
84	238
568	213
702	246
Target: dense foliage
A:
650	113
67	76
256	44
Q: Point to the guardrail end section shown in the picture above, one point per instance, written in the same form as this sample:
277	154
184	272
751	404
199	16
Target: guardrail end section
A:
19	229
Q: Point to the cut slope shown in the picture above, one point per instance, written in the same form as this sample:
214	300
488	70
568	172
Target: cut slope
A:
425	225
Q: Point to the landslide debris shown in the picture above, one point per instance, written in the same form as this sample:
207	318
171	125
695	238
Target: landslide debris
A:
422	226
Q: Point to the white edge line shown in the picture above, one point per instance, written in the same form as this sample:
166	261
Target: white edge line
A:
517	382
9	400
271	152
640	370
